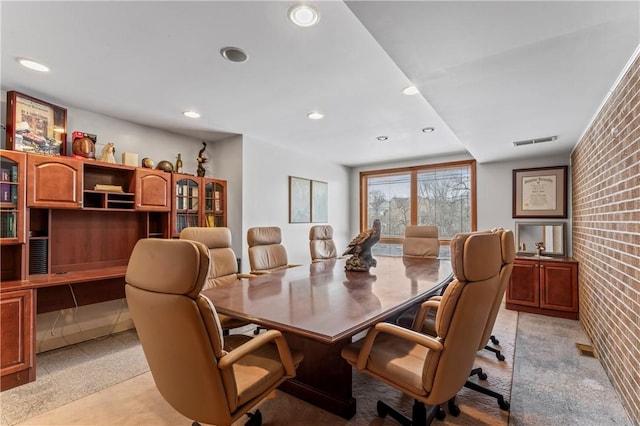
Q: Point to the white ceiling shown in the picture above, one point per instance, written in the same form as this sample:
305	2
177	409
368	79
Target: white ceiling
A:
489	73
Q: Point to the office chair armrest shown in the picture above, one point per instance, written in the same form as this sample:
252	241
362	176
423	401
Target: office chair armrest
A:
256	343
246	276
418	320
401	332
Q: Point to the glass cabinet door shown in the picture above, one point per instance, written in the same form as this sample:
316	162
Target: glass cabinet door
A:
11	199
215	204
187	204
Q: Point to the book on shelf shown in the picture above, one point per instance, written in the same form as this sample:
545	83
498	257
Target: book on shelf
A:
5	193
8	227
194	198
5	175
110	188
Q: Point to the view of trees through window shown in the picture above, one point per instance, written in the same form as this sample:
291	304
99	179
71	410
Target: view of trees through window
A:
431	195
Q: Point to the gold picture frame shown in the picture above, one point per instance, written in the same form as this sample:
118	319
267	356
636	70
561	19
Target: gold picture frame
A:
35	126
540	192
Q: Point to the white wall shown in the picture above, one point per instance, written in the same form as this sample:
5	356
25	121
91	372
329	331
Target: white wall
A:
224	161
265	194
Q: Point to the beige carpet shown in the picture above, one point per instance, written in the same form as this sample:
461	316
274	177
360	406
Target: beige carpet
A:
137	402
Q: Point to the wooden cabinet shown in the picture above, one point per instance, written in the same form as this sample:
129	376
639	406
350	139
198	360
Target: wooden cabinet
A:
17	317
54	182
152	188
544	286
67	233
198	201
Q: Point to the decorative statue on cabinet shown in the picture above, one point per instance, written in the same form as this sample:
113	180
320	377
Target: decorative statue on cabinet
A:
201	160
108	153
360	247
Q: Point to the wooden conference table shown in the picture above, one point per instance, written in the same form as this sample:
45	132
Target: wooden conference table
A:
319	307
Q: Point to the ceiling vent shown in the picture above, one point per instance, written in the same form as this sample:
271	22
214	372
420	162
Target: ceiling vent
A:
532	141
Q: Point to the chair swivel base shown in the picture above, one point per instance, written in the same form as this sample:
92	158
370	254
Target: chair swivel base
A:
504	405
255	419
420	415
495	351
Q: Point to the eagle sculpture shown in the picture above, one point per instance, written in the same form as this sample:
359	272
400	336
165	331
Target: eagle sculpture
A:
360	249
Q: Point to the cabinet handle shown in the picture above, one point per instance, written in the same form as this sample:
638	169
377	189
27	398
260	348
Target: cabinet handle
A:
542	266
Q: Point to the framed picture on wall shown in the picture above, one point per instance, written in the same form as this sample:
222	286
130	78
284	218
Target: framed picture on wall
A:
540	192
299	200
319	201
35	126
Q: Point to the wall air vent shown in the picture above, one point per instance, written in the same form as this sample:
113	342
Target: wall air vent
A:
532	141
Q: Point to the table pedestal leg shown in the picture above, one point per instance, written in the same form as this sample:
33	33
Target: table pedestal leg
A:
323	378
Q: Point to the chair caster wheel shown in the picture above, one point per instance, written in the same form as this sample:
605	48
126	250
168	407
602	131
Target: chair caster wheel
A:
381	409
440	414
482	376
504	405
454	410
494	340
255	419
500	357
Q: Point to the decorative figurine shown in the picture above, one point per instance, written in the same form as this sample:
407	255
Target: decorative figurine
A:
201	160
107	154
147	163
360	248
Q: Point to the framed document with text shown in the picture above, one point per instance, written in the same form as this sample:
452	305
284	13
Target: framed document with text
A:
35	126
540	192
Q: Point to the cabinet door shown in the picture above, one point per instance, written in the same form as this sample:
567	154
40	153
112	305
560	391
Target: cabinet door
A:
16	327
152	189
12	194
54	182
524	284
186	202
559	286
215	203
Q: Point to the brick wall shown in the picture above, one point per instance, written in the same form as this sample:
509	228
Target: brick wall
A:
606	236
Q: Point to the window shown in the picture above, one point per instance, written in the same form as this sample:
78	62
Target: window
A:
436	194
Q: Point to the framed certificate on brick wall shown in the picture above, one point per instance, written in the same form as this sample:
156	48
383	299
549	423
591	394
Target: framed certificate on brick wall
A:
540	192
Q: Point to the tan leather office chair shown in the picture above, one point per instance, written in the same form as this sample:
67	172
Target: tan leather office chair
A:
425	322
433	369
421	241
266	252
224	267
203	375
321	243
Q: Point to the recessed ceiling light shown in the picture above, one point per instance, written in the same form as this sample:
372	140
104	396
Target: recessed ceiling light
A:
315	115
383	138
411	90
429	129
191	114
32	65
233	54
303	15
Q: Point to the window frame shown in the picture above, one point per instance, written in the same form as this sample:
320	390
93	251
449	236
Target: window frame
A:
413	171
